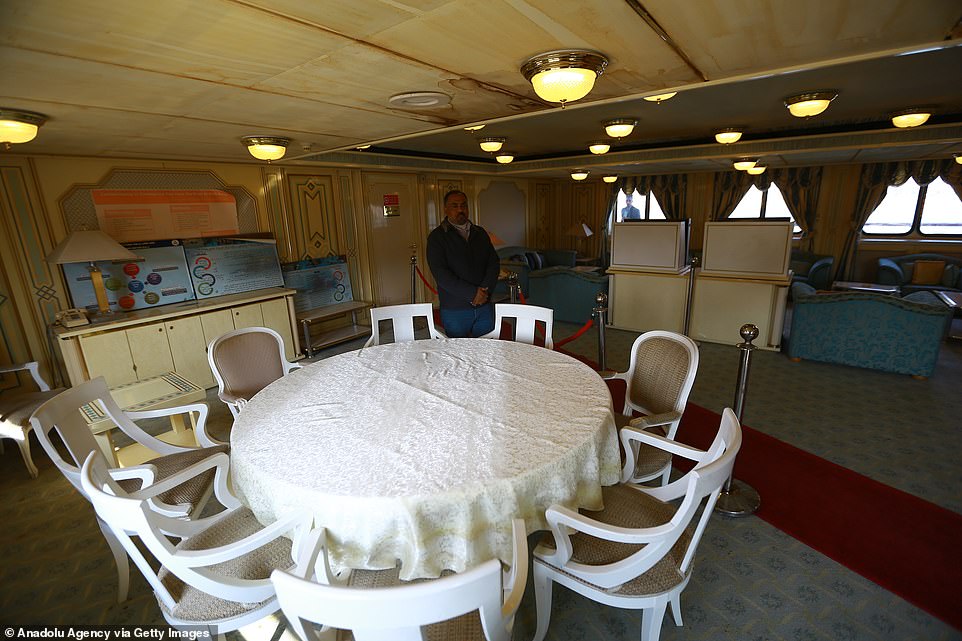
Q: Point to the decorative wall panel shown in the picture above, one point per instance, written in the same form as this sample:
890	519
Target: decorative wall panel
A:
313	217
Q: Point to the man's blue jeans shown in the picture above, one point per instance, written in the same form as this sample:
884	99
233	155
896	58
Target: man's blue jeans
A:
464	323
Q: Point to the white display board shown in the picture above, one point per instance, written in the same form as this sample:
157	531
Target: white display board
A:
747	249
232	266
653	246
318	285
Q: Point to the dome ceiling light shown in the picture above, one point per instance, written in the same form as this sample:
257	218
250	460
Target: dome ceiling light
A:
743	165
504	157
599	148
564	76
19	126
756	170
620	127
728	136
662	97
474	128
362	147
958	158
609	179
491	143
266	147
911	118
579	174
809	104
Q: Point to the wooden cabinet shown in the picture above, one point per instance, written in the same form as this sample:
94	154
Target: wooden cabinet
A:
140	345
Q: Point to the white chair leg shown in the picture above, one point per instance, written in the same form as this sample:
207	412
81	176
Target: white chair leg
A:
24	446
120	559
676	608
542	593
651	619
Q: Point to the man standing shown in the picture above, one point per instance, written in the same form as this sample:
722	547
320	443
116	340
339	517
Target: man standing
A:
630	212
465	267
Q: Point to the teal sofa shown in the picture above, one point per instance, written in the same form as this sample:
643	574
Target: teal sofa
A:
812	269
868	330
897	270
548	278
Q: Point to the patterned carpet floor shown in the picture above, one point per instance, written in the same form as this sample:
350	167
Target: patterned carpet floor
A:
751	581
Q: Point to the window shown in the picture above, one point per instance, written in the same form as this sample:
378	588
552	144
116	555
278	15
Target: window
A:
768	204
930	210
638	207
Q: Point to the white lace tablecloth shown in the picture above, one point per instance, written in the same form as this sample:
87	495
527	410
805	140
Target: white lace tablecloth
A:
424	451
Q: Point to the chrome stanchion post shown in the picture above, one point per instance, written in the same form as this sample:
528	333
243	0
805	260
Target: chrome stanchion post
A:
414	278
695	261
600	313
513	287
738	498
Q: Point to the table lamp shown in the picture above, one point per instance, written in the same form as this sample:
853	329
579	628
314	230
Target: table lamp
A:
87	247
581	231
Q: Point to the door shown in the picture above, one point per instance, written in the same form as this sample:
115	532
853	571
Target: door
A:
107	354
278	318
247	316
393	213
189	350
150	349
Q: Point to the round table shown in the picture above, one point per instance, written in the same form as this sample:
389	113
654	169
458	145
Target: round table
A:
423	452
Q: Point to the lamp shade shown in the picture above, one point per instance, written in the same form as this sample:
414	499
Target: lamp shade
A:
18	126
581	230
564	75
87	247
266	147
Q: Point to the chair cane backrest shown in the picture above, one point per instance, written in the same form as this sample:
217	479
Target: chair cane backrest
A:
398	613
402	320
526	322
245	361
661	373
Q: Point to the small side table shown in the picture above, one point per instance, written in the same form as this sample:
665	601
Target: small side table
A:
954	301
155	393
875	288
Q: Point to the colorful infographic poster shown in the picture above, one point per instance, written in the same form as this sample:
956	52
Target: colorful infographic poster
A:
131	215
319	285
160	277
231	266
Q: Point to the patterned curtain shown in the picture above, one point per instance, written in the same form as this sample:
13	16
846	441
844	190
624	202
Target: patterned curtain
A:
874	182
730	188
800	187
951	173
670	190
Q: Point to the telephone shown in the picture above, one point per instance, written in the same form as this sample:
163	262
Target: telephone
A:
72	318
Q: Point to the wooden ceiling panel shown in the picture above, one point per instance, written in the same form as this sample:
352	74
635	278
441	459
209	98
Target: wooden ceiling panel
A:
355	19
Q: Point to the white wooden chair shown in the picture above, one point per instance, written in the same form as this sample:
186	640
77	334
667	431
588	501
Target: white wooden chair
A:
62	413
525	324
245	361
218	573
444	606
17	405
660	374
638	551
402	320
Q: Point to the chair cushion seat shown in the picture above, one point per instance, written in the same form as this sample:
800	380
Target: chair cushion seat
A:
17	408
629	508
193	604
190	492
650	460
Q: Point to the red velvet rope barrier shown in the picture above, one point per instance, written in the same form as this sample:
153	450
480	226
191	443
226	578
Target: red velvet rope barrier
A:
424	280
584	328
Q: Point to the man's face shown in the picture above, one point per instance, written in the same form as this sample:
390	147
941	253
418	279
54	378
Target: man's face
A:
456	209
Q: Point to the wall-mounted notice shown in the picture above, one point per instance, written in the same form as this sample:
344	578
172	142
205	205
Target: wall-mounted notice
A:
132	215
392	205
318	285
159	278
231	266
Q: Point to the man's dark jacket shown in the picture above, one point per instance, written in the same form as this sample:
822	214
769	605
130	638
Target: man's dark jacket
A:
461	266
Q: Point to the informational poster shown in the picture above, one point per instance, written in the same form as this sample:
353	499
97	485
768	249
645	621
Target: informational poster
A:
132	215
318	285
392	205
160	277
231	266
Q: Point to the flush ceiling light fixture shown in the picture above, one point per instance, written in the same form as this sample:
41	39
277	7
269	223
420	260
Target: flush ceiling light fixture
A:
362	147
504	157
609	179
812	103
662	97
744	165
474	128
18	126
911	118
958	158
579	174
564	76
619	127
756	170
491	143
266	147
728	136
599	148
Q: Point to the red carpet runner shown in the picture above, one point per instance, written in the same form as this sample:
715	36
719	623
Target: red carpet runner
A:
901	542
